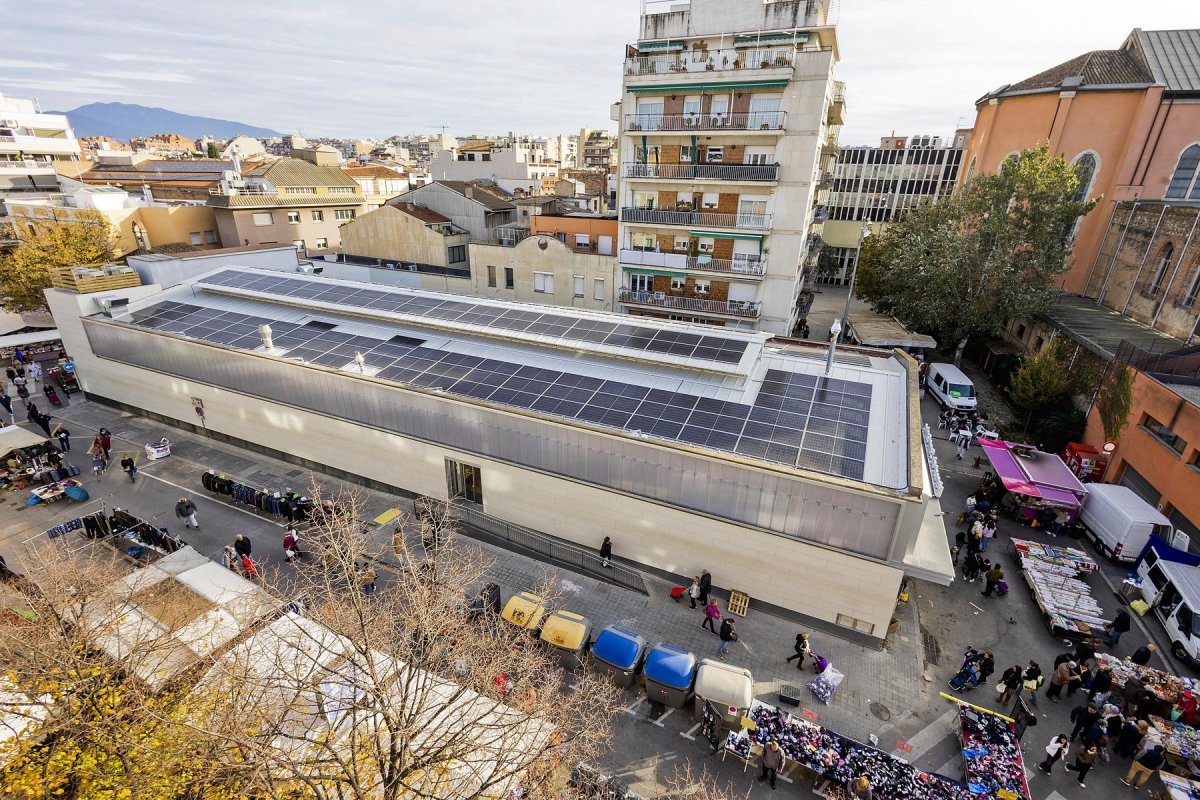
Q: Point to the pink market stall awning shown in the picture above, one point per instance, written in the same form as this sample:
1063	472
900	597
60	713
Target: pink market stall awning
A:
1042	475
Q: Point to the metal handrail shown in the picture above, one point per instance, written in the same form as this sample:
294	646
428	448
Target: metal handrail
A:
714	120
657	216
750	265
735	308
720	172
720	60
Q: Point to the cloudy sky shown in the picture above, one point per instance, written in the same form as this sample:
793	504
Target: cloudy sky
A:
379	67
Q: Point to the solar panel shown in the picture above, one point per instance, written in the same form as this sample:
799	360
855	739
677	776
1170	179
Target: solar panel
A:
797	420
561	326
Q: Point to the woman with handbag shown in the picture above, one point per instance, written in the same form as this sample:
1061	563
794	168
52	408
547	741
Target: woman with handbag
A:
1054	751
1010	684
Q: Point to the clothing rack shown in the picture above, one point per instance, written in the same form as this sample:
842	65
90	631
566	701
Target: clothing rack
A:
291	505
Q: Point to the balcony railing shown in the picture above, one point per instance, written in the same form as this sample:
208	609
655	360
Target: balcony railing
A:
721	60
658	216
233	191
712	121
25	164
505	237
718	172
732	308
750	266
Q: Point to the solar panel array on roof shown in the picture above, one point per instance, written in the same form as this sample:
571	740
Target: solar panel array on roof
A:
684	344
798	420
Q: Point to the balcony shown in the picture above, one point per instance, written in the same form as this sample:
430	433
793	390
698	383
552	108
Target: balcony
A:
504	237
837	104
27	166
699	63
712	121
705	219
744	309
710	172
742	266
39	145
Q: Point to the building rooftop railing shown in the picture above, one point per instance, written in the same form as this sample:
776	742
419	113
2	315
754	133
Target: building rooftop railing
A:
734	308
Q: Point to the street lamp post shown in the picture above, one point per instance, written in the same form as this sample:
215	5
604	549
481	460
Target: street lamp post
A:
834	332
863	233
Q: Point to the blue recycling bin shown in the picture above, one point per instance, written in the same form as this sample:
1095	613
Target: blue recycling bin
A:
618	653
670	674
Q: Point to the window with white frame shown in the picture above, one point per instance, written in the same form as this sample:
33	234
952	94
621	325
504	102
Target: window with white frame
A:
705	244
758	157
299	190
196	237
714	155
343	189
263	218
642	241
322	243
298	244
678	284
1185	182
691	106
686	153
709	200
645	199
583	241
344	214
579	282
681	244
701	287
641	283
318	216
719	109
543	282
597	288
210	237
294	217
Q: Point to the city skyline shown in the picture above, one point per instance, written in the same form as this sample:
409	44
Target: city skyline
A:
459	67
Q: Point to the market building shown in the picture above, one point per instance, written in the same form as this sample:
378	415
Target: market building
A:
691	447
728	110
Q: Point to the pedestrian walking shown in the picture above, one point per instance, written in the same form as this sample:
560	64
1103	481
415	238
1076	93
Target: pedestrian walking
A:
1144	767
1083	717
1054	751
1127	740
1010	684
35	372
1142	655
991	578
1059	679
705	586
1079	675
291	544
606	553
989	532
64	438
6	401
186	510
242	545
728	636
1118	626
772	763
230	560
43	422
693	591
985	667
711	615
1084	761
862	788
129	464
801	648
367	579
99	462
105	439
1032	680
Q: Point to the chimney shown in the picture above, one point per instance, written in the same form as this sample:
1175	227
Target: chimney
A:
470	190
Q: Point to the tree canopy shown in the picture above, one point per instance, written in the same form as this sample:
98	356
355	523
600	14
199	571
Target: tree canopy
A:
988	253
84	239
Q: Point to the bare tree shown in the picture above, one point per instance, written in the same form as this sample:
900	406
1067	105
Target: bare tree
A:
404	692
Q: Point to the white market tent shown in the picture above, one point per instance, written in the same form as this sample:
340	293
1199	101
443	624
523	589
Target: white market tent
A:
166	617
14	437
318	694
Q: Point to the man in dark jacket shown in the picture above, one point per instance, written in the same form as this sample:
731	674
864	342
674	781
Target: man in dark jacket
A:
705	587
728	634
1142	769
1142	655
186	510
1101	684
772	762
1083	717
1118	626
242	545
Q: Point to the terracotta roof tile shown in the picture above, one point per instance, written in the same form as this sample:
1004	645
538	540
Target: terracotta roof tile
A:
426	215
1097	68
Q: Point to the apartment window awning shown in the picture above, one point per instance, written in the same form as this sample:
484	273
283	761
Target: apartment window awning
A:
652	272
659	47
771	38
753	237
693	88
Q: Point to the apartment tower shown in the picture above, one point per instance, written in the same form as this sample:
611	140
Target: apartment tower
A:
729	117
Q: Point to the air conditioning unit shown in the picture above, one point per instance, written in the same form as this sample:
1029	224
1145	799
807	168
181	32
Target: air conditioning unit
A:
8	123
306	269
411	267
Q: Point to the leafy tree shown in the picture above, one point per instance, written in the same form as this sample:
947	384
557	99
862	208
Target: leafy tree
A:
974	260
84	238
1115	399
213	150
1042	378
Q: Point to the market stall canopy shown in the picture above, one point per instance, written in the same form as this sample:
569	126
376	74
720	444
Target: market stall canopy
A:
724	684
26	339
888	332
14	437
1026	470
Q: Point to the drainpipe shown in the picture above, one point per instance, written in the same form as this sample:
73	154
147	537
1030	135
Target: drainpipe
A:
1167	291
1141	266
1116	253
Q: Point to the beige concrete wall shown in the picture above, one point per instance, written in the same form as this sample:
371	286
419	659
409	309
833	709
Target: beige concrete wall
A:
391	234
237	226
559	259
162	224
812	580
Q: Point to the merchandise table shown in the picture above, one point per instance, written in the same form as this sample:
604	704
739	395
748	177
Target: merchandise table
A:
1182	741
1065	601
995	767
840	759
1049	555
1168	687
1180	788
54	491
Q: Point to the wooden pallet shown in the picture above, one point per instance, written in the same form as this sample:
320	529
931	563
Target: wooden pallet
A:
739	603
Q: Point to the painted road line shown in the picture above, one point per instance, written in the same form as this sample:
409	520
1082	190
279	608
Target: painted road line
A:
659	721
690	733
928	737
632	710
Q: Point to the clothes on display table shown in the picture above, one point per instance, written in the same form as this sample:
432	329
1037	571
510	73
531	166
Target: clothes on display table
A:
993	753
840	759
290	505
1166	686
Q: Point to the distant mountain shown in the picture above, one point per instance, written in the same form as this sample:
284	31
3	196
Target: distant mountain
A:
125	120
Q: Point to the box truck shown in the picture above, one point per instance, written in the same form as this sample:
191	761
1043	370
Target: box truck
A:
1120	522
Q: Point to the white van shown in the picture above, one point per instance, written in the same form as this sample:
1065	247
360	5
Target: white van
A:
1173	591
1121	522
950	387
